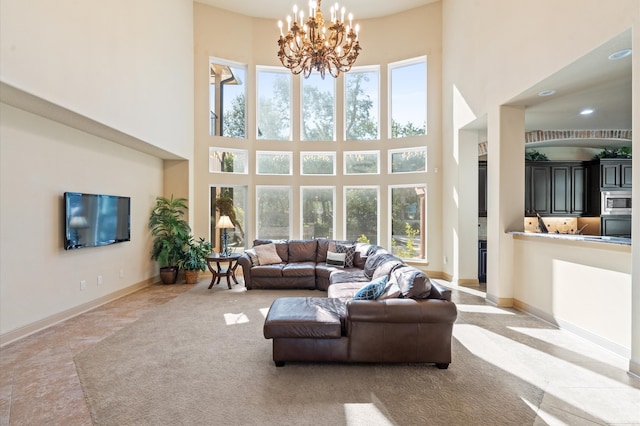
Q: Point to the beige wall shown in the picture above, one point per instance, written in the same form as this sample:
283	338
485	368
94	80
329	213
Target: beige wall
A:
568	287
494	50
39	161
110	71
253	42
124	64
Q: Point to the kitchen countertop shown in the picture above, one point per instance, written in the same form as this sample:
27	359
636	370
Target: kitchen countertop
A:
572	237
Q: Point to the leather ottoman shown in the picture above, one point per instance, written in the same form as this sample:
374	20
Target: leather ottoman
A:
303	327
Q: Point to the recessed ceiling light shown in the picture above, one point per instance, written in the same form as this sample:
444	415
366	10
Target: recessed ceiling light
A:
620	54
547	92
586	111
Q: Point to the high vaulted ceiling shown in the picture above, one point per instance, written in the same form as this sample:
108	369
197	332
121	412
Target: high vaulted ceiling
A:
278	9
592	81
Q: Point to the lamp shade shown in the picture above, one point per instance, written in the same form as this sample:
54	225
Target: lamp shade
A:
224	222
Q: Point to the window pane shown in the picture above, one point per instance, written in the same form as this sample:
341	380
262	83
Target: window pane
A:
317	212
274	207
227	95
318	163
408	93
274	105
361	101
232	202
273	163
361	214
318	108
361	162
224	160
408	160
408	222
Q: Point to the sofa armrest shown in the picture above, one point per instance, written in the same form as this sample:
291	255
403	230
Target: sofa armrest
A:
245	262
402	311
439	292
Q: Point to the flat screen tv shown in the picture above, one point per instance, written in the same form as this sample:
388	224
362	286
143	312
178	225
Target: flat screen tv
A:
93	220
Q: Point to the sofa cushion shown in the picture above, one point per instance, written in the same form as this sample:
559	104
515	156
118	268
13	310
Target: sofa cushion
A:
391	291
375	260
349	250
373	290
360	256
267	254
348	275
344	291
299	269
336	259
385	268
321	251
413	283
253	256
272	271
302	251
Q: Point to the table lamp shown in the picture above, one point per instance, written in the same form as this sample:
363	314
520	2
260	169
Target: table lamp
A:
225	223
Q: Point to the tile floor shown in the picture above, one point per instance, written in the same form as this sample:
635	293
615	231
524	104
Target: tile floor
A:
39	384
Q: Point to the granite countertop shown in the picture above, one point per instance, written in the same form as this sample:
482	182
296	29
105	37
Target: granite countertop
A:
573	237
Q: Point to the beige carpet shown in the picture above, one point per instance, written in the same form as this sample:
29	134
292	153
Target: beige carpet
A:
202	359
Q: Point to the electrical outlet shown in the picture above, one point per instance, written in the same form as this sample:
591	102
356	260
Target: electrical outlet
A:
83	285
121	273
99	279
445	259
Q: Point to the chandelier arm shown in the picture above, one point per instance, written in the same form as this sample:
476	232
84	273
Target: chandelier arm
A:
308	46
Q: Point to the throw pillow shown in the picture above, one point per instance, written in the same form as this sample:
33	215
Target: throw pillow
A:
253	256
373	290
349	251
267	254
335	259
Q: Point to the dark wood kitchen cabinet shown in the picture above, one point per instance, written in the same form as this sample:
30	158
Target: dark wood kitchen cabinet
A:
482	261
561	188
537	181
616	226
615	174
482	189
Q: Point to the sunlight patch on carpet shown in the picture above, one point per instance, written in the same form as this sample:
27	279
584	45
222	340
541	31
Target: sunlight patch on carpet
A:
365	415
233	319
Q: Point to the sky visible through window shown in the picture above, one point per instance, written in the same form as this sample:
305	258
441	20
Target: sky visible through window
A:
409	93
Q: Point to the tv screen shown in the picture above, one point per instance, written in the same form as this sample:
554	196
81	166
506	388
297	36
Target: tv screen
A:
93	220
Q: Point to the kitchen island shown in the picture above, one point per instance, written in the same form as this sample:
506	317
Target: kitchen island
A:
575	237
581	283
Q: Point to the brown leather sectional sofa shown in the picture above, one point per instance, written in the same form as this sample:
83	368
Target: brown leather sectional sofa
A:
412	321
303	264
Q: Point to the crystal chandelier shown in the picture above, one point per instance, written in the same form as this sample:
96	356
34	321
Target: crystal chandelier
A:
310	46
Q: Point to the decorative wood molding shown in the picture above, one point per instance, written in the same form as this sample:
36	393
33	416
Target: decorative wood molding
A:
568	135
552	135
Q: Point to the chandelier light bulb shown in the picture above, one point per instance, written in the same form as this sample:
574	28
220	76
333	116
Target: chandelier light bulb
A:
312	45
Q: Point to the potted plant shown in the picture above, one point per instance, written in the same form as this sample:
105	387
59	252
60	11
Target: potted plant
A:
194	259
170	233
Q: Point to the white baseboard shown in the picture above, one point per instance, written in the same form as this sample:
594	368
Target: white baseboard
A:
26	330
579	331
